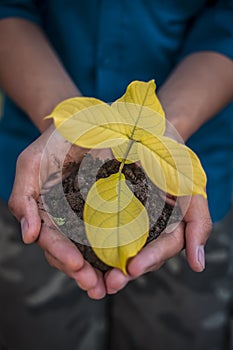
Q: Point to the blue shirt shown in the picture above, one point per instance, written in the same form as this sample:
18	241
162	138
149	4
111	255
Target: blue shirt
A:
105	44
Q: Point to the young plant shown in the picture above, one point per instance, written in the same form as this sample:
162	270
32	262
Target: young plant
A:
133	127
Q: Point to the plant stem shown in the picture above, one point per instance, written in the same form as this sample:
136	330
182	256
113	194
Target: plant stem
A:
130	144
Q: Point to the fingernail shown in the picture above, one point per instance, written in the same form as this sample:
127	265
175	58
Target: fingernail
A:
201	256
111	291
24	227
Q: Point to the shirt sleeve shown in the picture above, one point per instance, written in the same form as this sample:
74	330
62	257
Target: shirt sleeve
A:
25	9
212	30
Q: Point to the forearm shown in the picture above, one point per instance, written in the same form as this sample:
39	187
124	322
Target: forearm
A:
30	71
200	86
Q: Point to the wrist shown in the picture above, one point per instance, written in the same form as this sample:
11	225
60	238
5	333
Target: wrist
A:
181	125
45	105
178	115
192	94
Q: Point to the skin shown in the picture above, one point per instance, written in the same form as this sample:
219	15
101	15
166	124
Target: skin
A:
190	96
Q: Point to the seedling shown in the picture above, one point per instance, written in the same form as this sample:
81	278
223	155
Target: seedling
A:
133	127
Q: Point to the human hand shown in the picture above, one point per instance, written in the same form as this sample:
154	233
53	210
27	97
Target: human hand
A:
191	233
38	167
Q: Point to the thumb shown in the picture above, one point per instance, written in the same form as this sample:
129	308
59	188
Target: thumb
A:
23	199
197	230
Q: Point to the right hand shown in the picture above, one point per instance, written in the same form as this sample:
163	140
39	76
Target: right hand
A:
36	225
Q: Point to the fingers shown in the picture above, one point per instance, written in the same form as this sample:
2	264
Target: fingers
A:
99	291
62	254
193	234
152	256
197	230
115	280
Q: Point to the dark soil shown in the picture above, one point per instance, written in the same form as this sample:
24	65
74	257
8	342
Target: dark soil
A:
75	188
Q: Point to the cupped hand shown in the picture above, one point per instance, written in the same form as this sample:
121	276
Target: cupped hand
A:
38	168
191	233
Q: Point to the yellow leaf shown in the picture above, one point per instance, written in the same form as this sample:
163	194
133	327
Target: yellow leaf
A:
67	108
171	166
142	94
89	123
116	222
141	109
141	118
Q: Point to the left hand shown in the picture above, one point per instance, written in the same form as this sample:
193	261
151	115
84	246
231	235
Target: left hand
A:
192	233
